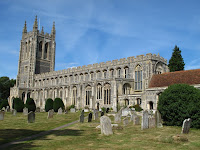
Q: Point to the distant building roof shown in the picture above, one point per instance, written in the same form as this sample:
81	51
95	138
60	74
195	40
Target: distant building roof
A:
188	77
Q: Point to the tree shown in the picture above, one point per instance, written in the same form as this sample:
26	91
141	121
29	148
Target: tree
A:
57	104
179	102
49	104
30	104
18	104
4	103
176	62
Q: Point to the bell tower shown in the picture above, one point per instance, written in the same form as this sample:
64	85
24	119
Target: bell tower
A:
37	54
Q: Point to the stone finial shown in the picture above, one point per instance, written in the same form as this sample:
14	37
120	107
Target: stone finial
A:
53	31
42	31
35	26
25	28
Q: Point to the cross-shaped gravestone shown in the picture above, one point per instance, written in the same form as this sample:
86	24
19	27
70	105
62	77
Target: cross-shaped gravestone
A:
31	117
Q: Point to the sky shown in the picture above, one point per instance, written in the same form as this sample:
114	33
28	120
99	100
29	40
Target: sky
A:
94	31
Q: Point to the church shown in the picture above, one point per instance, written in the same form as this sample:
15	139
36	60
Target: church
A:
124	82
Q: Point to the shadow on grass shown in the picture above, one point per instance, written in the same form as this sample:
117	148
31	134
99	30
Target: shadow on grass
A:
19	136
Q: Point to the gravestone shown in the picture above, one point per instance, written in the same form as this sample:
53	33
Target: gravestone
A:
60	111
152	122
102	113
7	109
158	119
145	120
2	115
25	111
117	118
107	110
133	115
72	110
90	117
50	114
186	126
136	120
82	117
125	112
125	121
37	109
120	111
14	112
82	112
96	115
105	124
31	117
4	109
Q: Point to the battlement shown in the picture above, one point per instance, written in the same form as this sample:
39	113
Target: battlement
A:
120	63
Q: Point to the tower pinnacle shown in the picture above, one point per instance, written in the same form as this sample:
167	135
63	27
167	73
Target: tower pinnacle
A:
53	31
35	26
25	28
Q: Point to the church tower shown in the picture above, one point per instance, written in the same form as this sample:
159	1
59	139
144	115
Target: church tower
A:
37	54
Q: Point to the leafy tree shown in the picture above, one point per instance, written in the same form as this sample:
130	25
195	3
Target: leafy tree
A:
49	104
5	84
4	103
57	104
176	62
30	104
18	104
179	102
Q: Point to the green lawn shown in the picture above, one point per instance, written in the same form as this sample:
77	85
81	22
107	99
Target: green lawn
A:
17	127
86	136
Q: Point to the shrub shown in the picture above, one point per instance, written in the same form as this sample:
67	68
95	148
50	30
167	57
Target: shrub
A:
57	104
137	107
30	104
49	104
18	104
4	103
179	102
103	109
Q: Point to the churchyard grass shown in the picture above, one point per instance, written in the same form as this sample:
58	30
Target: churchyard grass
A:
86	136
17	127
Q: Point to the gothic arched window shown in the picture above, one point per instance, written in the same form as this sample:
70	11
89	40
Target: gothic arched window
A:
138	78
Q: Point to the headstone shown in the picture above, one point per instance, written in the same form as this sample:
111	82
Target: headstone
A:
25	111
50	114
90	117
107	110
145	120
14	112
60	111
152	122
4	109
186	126
66	112
82	112
7	109
125	112
125	121
2	115
96	115
82	117
105	124
117	118
37	109
31	117
102	113
133	115
158	119
72	110
136	120
120	111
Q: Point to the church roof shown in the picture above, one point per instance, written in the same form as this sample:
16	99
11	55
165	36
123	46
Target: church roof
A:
187	76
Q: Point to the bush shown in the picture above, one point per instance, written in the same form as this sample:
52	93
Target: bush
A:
49	104
57	104
30	104
137	108
18	104
179	102
4	103
103	109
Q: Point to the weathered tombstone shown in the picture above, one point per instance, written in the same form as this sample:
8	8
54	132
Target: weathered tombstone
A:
82	112
96	115
107	110
25	111
90	117
14	112
120	111
4	109
105	124
152	122
133	115
31	117
37	109
50	114
2	115
60	111
125	121
186	126
145	120
136	120
125	112
117	118
82	117
7	109
102	113
158	119
72	110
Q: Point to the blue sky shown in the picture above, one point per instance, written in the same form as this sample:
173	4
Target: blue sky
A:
93	31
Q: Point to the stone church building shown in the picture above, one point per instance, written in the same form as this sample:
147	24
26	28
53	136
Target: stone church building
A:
108	84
